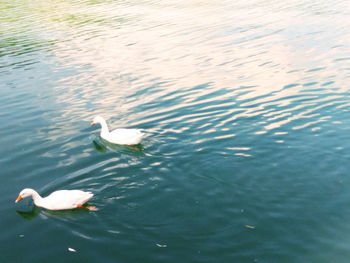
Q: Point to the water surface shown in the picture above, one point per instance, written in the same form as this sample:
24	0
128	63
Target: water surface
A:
245	107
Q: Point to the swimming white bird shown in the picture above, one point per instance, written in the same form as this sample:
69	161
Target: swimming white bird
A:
58	200
118	136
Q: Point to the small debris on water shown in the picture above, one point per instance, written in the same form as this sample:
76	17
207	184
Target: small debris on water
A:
251	227
159	245
21	235
92	208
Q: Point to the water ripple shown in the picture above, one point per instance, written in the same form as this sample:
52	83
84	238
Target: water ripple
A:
246	120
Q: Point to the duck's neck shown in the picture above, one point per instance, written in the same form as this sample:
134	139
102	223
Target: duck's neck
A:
38	200
104	128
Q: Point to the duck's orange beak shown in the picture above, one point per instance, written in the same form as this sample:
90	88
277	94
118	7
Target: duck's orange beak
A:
19	198
92	123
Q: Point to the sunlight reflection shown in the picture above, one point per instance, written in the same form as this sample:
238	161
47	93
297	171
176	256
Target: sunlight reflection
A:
121	57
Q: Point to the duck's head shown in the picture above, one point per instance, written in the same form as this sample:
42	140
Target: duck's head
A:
23	194
97	119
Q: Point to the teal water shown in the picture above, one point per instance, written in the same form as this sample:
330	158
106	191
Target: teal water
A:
245	106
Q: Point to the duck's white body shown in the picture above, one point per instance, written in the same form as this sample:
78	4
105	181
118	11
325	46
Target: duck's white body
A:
58	200
118	136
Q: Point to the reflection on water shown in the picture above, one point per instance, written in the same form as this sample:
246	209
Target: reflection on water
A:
29	215
44	213
246	108
102	145
99	147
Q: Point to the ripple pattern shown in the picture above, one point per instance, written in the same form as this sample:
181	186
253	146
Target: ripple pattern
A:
245	107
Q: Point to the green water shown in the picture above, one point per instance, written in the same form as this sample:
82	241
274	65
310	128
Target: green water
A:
245	106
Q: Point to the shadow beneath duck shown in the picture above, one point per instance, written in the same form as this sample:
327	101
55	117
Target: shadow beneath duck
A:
69	213
99	147
29	215
102	146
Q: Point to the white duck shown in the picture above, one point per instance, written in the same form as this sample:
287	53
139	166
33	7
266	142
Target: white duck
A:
118	136
58	200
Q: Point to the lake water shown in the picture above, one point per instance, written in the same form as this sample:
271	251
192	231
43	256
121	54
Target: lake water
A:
246	109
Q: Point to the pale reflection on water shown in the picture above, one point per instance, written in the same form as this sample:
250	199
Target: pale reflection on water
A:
188	45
